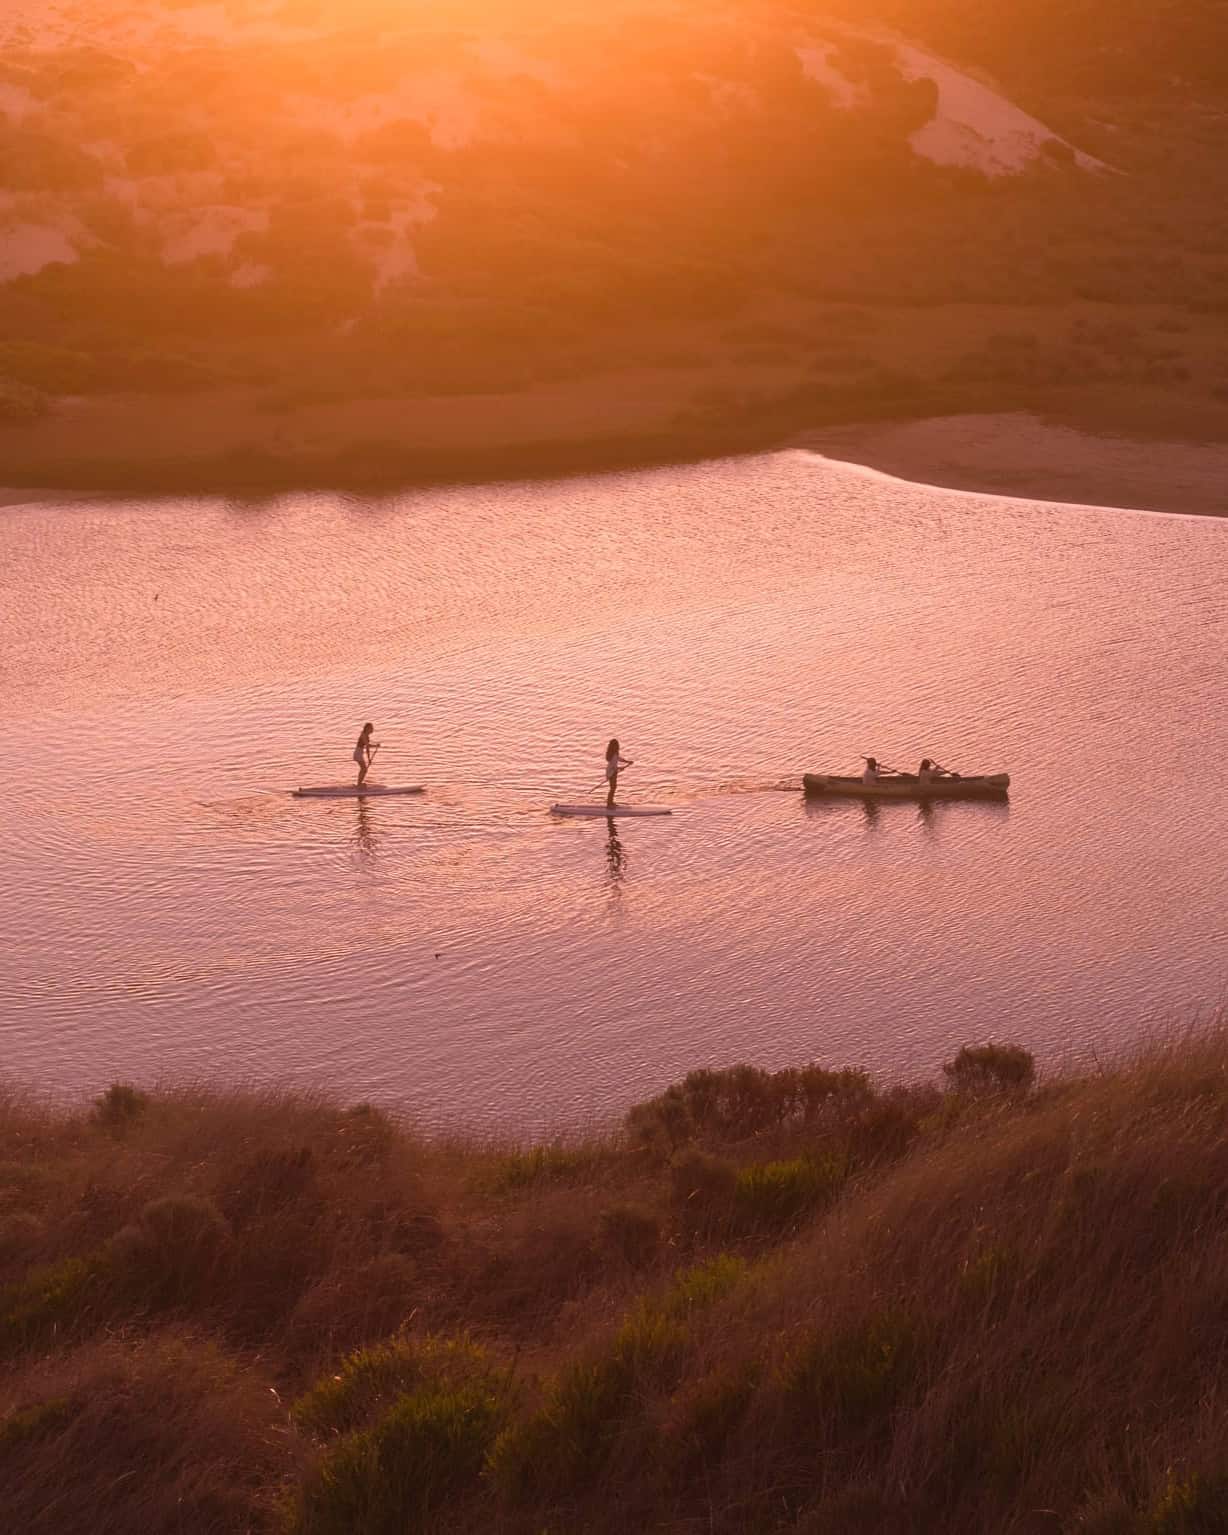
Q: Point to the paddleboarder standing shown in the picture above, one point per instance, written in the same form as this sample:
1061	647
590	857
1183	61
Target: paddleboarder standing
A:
364	752
612	764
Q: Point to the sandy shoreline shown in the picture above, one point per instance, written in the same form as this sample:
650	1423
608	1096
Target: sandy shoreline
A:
1086	457
1021	454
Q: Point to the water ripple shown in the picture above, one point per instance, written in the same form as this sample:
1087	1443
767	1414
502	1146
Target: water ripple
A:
174	668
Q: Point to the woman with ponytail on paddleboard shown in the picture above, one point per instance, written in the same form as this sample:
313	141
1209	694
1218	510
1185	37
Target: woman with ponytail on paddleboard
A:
364	752
612	764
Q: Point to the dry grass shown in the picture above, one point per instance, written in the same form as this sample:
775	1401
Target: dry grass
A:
786	1301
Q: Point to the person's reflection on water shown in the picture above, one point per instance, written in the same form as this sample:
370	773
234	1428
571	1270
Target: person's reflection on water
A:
615	857
364	831
871	809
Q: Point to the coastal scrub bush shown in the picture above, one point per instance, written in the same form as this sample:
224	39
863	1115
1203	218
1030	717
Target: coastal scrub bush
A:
742	1101
27	1425
543	1164
884	1129
704	1284
1193	1504
991	1069
849	1377
393	1478
566	1443
50	1300
1026	1313
170	1254
371	1379
563	1446
772	1195
161	1436
120	1107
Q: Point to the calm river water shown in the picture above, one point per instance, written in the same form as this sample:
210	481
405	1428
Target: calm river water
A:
169	669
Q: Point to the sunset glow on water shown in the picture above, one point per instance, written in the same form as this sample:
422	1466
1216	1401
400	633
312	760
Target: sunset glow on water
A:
178	667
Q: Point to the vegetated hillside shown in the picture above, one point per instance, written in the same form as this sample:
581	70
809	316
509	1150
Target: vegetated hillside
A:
1135	50
425	199
777	1302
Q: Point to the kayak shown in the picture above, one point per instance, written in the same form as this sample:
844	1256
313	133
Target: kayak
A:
352	791
607	810
907	786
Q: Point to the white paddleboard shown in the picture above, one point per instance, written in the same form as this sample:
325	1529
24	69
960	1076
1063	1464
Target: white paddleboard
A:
352	791
607	810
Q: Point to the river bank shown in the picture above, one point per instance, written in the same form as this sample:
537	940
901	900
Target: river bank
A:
921	402
790	1301
1152	447
1026	455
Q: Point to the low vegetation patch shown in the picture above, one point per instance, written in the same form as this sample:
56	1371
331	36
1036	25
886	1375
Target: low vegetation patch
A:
778	1301
396	1477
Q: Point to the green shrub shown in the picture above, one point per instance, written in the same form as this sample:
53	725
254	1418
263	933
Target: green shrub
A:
50	1300
169	1254
370	1380
564	1445
119	1107
769	1195
28	1424
663	1124
543	1164
392	1479
649	1346
885	1129
704	1284
742	1101
1190	1505
591	1402
991	1069
849	1378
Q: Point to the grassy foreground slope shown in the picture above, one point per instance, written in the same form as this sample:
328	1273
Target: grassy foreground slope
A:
783	1301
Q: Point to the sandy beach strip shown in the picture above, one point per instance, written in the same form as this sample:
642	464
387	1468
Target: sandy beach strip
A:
1020	454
